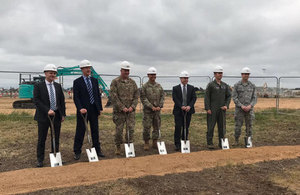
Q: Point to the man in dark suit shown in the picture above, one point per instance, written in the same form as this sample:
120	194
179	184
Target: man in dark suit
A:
184	98
87	99
49	101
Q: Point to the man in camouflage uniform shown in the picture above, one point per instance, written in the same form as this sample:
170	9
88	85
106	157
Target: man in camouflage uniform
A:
244	97
217	100
124	94
152	97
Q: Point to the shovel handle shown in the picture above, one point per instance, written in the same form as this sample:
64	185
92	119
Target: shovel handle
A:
157	117
224	121
126	119
51	120
184	124
84	116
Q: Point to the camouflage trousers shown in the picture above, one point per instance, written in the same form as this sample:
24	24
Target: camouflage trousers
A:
121	119
151	119
239	117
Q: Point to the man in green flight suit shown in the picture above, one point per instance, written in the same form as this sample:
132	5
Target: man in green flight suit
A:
217	100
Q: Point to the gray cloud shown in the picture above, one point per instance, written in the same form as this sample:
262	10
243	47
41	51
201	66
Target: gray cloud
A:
171	35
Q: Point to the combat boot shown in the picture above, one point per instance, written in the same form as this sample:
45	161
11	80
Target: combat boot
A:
154	144
236	142
146	146
118	150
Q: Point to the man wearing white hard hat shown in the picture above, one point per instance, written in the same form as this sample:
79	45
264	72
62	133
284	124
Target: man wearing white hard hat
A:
124	94
184	97
49	100
152	97
87	99
245	98
217	99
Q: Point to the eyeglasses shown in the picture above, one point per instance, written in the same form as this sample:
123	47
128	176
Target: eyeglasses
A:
218	72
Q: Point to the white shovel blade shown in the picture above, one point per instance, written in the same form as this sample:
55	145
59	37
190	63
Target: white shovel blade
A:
161	148
225	144
185	146
129	150
55	160
249	142
92	155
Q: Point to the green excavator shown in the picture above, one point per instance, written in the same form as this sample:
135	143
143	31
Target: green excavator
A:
26	86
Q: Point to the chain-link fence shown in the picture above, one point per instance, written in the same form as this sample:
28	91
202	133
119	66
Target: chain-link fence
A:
168	82
289	95
274	93
266	89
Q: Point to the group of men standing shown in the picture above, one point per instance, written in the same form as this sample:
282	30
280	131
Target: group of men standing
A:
49	101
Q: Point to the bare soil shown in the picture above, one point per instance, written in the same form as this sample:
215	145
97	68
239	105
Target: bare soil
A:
29	180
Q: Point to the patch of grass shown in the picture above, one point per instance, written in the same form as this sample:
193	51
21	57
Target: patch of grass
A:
18	136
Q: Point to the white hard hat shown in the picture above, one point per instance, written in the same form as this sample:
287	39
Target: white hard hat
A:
152	70
85	63
50	67
245	70
184	74
125	65
218	69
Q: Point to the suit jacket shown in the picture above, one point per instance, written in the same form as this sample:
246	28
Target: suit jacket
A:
81	95
177	98
42	101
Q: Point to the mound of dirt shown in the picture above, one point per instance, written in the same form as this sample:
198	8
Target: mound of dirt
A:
28	180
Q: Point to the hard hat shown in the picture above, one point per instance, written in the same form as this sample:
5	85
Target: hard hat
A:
85	63
125	65
184	74
218	69
152	70
245	70
50	67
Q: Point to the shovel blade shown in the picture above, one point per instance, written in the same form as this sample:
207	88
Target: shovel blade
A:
185	146
225	144
248	142
129	150
55	159
161	148
92	155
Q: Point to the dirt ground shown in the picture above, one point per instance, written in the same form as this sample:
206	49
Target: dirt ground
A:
28	180
262	104
268	177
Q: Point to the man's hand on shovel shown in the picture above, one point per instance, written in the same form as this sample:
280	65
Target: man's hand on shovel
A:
51	113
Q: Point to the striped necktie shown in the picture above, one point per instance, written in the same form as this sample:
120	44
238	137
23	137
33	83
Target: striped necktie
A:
90	90
52	98
184	96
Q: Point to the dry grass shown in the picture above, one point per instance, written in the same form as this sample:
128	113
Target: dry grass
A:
262	104
289	179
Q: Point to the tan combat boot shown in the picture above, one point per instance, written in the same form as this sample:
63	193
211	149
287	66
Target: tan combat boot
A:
118	150
154	144
146	146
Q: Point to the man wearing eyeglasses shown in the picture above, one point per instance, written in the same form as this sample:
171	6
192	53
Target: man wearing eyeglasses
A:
217	100
245	98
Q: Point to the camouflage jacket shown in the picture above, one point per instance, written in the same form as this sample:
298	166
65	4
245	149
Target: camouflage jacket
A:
124	93
244	94
152	95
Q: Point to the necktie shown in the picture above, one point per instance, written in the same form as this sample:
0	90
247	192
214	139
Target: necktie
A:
184	95
52	98
90	90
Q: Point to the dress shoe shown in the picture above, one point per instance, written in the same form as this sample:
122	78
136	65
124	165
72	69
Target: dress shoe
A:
100	154
177	148
39	164
77	156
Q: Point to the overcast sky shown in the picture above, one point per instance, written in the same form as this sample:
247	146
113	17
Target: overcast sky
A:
172	35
